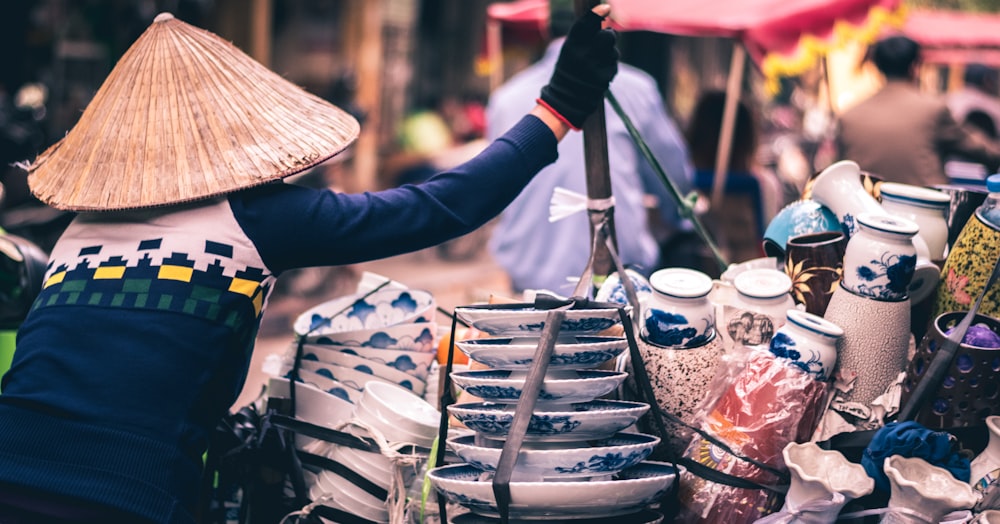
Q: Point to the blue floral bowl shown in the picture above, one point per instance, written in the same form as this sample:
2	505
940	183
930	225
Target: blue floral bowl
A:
355	312
583	352
524	320
597	419
504	387
629	491
592	458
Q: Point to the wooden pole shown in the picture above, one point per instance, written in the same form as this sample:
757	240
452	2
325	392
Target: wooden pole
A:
595	150
733	89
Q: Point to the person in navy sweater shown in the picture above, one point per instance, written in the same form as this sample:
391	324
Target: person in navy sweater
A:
140	339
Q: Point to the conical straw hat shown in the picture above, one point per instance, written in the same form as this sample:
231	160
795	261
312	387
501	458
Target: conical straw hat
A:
184	116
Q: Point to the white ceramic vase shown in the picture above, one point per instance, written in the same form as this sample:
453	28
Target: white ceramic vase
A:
922	493
839	188
758	306
678	313
880	257
986	466
875	342
928	208
808	342
681	380
821	479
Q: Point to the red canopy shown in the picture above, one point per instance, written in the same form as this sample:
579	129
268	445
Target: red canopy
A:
764	26
955	36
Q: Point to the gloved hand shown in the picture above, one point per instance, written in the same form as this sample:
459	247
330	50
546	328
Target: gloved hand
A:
587	63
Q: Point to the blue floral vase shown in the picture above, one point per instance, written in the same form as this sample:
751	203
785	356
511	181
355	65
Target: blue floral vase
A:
808	342
678	314
880	258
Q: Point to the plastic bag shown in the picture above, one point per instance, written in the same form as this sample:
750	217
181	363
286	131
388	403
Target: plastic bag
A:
767	405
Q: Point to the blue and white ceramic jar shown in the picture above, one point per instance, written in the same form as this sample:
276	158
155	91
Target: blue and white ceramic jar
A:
809	343
678	313
881	258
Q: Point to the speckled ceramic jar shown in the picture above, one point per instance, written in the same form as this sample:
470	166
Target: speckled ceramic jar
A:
967	269
680	379
875	341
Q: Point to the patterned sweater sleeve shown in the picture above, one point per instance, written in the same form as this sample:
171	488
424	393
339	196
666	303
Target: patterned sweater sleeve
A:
294	226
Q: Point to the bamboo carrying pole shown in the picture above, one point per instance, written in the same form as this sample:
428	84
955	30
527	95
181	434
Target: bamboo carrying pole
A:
595	150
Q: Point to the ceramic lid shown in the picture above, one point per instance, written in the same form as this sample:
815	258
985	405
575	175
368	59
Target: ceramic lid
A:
763	283
915	195
681	282
814	323
889	224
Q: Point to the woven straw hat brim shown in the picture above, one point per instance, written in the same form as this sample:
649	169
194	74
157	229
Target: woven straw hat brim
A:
184	116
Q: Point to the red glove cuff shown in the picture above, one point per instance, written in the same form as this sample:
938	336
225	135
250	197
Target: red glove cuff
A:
557	114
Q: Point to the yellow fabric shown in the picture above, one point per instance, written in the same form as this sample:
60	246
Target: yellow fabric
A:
811	48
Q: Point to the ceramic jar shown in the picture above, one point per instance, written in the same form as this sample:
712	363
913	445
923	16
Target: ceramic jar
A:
971	385
759	306
967	269
823	480
926	207
921	492
809	343
880	257
873	350
678	313
963	202
681	380
986	466
839	188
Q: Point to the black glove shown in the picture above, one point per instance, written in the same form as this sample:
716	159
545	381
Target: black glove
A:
587	63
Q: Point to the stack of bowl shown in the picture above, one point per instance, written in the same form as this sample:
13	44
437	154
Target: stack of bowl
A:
578	458
385	336
384	411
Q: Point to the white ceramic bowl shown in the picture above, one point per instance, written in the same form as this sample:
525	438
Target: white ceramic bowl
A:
524	320
312	405
391	432
386	307
415	363
581	352
592	420
401	408
377	369
329	385
590	459
628	492
342	498
411	336
503	386
357	378
612	290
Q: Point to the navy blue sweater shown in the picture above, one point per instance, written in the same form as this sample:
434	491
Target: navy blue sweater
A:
142	335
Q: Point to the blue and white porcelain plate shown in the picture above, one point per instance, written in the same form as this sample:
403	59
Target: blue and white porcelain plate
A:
592	459
627	492
527	321
383	308
503	386
582	352
597	419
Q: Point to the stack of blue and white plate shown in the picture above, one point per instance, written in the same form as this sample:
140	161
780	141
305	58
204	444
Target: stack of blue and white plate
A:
580	458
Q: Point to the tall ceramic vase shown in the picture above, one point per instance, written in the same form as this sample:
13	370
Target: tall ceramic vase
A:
873	350
680	349
822	482
986	465
921	492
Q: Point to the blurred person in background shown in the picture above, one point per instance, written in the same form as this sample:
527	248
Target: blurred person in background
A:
751	196
901	134
538	254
